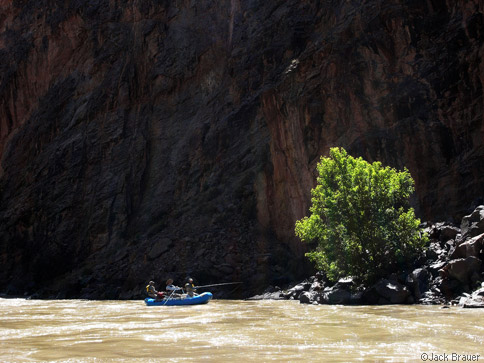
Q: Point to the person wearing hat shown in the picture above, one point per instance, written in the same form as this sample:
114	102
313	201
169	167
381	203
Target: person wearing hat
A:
171	289
151	291
190	288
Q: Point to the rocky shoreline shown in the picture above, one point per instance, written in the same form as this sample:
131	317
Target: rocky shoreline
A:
450	272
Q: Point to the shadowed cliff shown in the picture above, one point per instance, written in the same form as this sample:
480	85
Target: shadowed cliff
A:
153	139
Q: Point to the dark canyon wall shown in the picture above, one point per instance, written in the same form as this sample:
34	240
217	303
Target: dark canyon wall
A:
148	139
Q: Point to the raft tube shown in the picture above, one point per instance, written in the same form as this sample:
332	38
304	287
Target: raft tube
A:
195	300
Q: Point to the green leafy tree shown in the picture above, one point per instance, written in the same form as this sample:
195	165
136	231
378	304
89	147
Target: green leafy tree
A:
360	219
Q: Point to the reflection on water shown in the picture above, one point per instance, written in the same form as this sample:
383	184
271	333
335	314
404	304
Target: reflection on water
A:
104	331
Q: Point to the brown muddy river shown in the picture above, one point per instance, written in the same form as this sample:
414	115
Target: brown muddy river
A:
234	331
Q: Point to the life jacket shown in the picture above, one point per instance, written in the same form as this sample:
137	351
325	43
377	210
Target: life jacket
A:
150	290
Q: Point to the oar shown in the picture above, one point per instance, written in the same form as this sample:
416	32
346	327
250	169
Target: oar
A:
223	283
169	297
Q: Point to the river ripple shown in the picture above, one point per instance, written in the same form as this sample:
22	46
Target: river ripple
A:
223	331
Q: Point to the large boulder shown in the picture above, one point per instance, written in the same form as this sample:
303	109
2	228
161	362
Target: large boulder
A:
472	247
346	283
462	269
343	292
296	291
418	282
450	287
448	232
435	251
336	295
473	224
308	297
386	292
392	291
436	267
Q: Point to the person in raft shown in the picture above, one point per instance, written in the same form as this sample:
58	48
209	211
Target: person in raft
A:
190	288
151	291
171	289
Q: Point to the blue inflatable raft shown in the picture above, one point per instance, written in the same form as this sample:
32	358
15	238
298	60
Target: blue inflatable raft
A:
195	300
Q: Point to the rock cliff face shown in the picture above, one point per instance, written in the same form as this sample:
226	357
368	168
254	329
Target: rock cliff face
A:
154	139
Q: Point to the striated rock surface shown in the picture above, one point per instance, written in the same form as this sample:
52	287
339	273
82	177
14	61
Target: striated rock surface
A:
153	139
